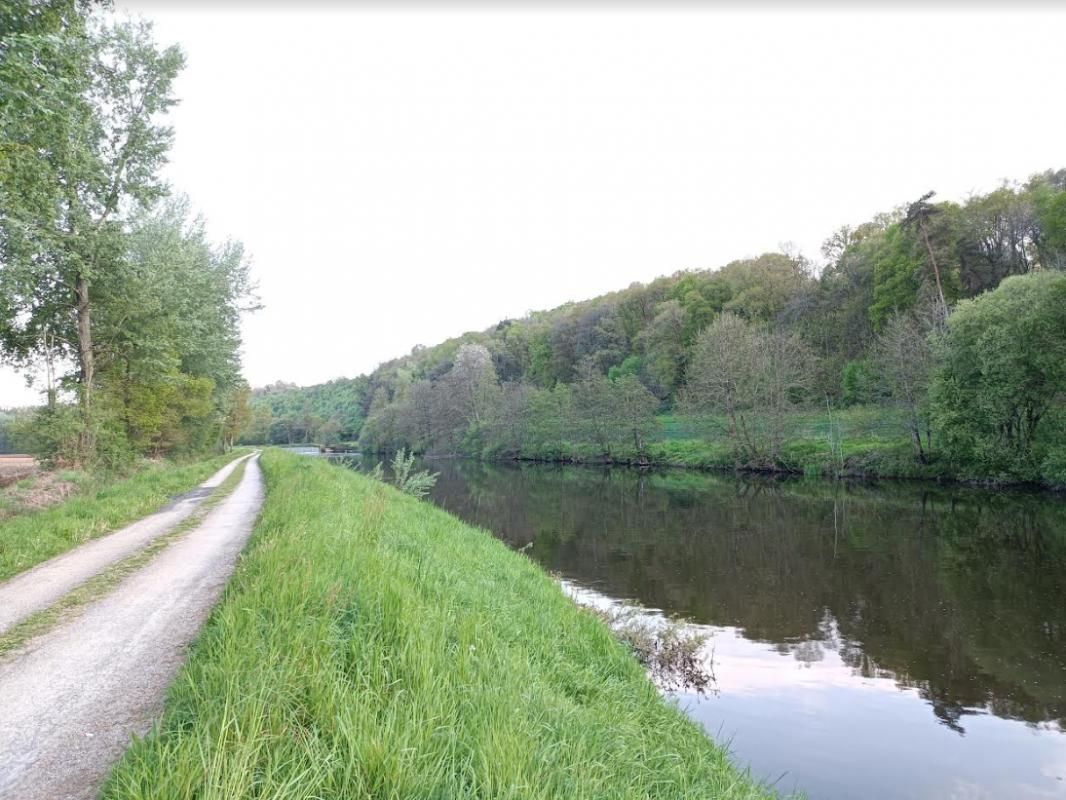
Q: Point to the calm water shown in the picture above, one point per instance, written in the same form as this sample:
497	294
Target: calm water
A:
898	641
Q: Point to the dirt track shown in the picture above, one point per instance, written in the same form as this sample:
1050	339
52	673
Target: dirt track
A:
41	586
71	699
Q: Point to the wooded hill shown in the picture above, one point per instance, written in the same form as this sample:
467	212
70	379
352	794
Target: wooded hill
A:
327	413
867	323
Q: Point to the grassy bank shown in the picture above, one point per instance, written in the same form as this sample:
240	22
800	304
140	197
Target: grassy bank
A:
862	441
30	538
371	645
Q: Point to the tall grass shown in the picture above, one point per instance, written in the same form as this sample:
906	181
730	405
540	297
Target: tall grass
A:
370	645
31	538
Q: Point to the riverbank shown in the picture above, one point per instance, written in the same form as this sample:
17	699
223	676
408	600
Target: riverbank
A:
852	459
93	506
861	442
370	644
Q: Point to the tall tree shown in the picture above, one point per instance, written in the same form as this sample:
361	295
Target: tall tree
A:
918	214
82	143
904	359
751	376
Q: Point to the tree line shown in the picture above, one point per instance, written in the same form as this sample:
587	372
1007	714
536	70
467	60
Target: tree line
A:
110	288
947	313
327	413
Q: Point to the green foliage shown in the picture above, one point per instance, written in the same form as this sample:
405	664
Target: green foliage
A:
702	296
630	366
1004	369
49	433
370	645
856	383
8	431
1053	469
548	384
96	275
613	412
897	275
905	358
1048	193
761	288
663	346
752	377
324	414
1053	220
416	484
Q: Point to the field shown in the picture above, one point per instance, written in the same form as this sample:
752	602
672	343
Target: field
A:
16	468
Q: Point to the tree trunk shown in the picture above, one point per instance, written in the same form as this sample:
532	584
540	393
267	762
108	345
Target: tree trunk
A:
127	401
918	445
85	362
50	371
936	271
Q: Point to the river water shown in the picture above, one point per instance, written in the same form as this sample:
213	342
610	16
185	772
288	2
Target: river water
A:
892	641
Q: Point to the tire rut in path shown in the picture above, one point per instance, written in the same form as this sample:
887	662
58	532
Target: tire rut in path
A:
39	587
71	699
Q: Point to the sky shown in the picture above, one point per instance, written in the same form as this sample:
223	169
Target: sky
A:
401	175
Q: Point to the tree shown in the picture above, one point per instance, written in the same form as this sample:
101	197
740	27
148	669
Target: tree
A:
613	412
466	401
1048	192
896	281
997	238
474	378
751	376
633	409
82	145
918	214
1004	368
168	311
592	408
551	417
761	288
511	424
904	359
663	345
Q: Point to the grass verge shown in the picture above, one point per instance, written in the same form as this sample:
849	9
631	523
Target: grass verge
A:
29	539
857	442
371	645
99	585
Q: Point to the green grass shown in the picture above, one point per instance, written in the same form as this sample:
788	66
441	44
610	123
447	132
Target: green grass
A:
28	539
862	441
370	645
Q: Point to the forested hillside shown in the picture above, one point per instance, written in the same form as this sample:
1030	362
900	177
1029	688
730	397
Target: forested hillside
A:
110	290
738	352
284	413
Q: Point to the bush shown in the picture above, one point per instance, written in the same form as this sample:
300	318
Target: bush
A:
1003	371
51	434
856	383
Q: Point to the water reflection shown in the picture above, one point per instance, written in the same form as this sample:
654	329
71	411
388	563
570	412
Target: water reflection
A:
895	641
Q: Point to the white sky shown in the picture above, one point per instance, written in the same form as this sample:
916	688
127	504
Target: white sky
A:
402	176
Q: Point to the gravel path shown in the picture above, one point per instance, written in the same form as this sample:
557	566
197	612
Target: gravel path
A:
71	699
40	587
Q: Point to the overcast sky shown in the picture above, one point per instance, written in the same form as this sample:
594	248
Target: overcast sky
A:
401	177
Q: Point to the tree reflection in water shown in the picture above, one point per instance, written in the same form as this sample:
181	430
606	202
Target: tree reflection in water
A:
956	593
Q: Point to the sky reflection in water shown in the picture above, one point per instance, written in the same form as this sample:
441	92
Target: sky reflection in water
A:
900	641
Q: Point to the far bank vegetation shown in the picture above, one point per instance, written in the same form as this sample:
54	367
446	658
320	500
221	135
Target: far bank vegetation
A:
927	341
